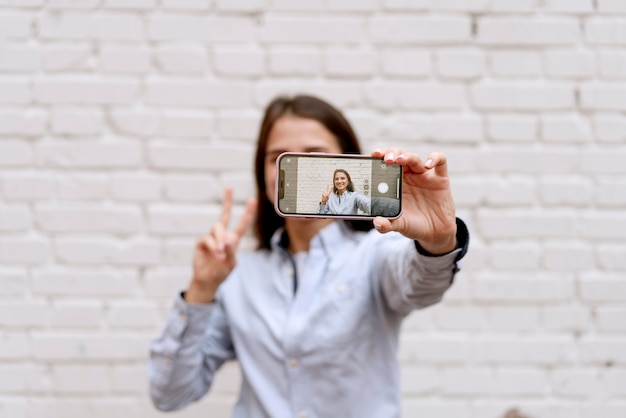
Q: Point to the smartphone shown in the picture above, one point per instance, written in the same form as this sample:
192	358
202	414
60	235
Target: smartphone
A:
345	186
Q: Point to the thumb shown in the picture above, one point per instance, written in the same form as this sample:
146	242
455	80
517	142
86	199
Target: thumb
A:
382	225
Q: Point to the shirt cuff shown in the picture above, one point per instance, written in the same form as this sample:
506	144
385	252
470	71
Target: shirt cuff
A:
189	318
462	242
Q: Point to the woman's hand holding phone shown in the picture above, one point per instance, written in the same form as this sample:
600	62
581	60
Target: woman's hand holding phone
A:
214	254
428	211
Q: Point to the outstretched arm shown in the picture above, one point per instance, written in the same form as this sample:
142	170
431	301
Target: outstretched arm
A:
363	203
417	274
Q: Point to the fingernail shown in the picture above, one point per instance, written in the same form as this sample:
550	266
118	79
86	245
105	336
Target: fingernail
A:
378	226
390	156
428	163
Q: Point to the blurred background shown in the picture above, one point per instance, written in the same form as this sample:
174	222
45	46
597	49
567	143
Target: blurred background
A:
121	121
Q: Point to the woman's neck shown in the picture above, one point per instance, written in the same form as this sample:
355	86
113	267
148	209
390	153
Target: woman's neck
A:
301	231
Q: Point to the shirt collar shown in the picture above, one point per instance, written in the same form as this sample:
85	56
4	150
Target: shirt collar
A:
329	238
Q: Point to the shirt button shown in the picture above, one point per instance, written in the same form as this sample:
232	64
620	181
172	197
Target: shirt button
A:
293	362
302	414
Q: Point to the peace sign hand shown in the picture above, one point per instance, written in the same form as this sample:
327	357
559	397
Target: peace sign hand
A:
326	194
214	254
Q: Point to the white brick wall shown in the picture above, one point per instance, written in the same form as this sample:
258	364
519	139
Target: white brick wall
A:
122	120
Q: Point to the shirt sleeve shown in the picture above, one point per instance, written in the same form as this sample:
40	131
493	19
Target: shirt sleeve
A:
363	203
412	279
183	360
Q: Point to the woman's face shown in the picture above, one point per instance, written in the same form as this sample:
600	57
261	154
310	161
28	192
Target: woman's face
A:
295	134
341	182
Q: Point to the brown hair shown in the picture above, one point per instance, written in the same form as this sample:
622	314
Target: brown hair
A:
267	221
350	185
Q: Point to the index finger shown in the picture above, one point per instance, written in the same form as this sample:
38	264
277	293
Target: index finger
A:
439	161
226	206
396	155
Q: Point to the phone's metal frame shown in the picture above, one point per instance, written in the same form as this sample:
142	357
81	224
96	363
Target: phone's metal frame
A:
322	216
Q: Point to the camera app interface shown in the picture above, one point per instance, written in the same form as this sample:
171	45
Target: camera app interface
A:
338	186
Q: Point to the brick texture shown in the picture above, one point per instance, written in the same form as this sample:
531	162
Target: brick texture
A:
121	121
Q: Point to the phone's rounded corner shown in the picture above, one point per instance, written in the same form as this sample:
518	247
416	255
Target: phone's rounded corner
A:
280	157
277	208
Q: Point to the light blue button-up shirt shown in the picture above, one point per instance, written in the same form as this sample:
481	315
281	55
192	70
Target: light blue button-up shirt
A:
326	350
347	203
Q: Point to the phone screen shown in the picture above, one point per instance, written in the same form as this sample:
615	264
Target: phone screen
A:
337	185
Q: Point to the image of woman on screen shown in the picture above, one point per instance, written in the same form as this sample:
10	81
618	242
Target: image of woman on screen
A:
341	199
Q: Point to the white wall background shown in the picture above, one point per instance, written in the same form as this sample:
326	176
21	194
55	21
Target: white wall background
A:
122	120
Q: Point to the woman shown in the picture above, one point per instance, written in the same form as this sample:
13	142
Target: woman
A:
313	316
343	200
